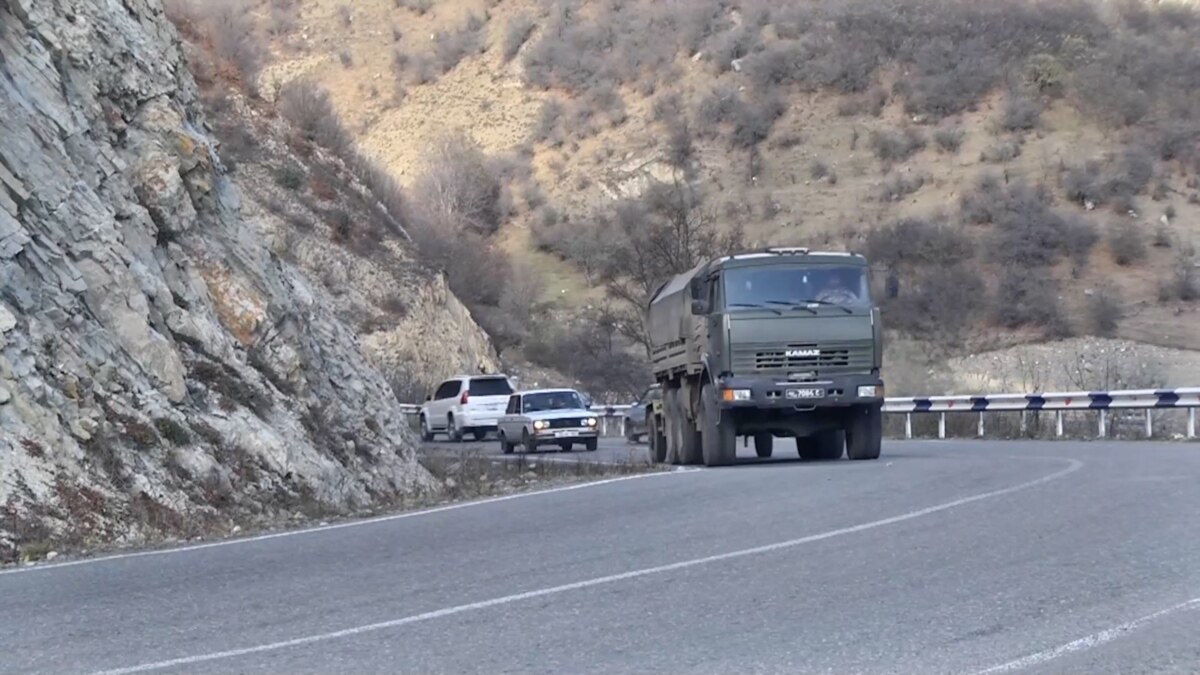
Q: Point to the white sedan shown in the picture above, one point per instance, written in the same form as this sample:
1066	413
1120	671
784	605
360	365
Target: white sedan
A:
548	417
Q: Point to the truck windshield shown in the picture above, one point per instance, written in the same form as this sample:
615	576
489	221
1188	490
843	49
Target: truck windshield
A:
552	400
777	285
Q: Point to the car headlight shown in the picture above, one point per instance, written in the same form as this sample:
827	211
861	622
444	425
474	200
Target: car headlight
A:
591	421
540	424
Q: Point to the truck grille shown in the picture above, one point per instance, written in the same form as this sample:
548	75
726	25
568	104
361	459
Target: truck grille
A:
805	358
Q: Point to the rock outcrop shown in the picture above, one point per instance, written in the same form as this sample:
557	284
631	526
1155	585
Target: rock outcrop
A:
163	370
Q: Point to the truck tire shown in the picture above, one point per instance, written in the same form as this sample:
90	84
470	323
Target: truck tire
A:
719	439
671	424
822	446
691	449
658	441
764	445
864	432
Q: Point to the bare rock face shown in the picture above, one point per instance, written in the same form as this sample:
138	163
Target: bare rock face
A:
162	371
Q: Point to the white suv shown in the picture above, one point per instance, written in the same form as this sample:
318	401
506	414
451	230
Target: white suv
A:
465	403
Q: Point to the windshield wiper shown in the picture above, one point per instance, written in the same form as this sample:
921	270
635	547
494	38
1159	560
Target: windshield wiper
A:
793	305
753	305
830	304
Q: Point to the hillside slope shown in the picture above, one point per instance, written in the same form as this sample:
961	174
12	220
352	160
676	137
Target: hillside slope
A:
1054	127
169	365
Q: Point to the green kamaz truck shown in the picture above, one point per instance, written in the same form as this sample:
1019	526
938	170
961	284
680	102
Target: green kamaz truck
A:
777	343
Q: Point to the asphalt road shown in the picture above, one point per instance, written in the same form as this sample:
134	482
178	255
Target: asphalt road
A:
941	557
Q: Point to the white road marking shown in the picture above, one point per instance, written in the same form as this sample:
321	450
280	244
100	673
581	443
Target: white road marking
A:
1085	643
1074	466
49	567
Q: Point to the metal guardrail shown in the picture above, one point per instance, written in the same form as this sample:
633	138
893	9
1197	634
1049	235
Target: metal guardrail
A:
1148	400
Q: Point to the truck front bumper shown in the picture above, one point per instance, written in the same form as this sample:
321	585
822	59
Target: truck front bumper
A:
772	393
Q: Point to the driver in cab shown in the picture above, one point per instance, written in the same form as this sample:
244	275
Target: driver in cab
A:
836	292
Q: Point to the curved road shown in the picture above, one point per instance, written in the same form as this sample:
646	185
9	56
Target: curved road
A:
941	557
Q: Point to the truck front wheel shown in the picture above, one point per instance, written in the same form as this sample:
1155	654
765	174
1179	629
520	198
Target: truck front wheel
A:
719	439
764	445
864	432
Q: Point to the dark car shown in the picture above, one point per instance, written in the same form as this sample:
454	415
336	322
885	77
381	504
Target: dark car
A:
635	417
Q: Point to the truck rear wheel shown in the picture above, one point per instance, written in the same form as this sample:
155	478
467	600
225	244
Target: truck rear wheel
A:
824	445
658	441
764	445
671	424
864	432
719	439
691	449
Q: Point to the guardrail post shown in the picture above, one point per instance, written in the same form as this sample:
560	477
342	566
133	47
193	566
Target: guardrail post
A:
1058	428
1191	423
604	426
981	424
1023	423
941	425
1103	431
622	426
908	424
1149	423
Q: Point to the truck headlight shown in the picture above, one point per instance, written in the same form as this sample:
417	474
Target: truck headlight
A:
540	424
591	421
868	391
735	394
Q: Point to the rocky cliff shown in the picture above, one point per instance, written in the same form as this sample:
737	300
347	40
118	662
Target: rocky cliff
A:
164	369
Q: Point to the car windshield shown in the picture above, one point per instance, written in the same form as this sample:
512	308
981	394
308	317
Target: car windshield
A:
552	400
777	286
490	386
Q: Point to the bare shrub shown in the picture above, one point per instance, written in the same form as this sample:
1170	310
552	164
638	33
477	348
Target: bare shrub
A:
228	29
547	126
913	241
1003	150
1020	113
897	145
457	186
346	15
410	69
949	138
308	107
282	17
450	47
939	303
753	119
418	7
1114	180
516	33
871	103
346	58
897	186
818	169
1104	311
1026	297
1126	243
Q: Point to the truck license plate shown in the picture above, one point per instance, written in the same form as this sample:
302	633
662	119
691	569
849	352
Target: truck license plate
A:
794	394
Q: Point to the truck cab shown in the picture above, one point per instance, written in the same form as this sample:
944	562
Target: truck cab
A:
767	344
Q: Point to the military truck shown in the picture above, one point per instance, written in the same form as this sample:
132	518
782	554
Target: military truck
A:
774	343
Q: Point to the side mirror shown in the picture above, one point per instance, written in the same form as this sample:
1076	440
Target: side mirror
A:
699	306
